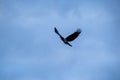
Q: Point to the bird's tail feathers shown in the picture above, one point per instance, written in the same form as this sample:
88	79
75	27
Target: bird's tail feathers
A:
69	44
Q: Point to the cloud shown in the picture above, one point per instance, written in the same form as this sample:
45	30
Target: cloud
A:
33	51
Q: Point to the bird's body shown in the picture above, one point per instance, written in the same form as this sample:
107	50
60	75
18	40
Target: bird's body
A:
70	37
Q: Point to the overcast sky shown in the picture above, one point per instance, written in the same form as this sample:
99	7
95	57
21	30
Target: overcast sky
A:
30	49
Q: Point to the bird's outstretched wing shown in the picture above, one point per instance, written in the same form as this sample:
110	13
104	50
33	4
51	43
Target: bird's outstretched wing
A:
56	31
74	35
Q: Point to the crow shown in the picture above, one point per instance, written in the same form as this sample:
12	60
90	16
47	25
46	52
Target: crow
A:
70	37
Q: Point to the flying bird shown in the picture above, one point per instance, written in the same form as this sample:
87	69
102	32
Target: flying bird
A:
70	38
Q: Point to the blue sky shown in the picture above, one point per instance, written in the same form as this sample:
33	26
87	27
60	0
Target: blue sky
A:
30	50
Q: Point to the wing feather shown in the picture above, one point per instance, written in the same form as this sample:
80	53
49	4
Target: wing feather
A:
74	35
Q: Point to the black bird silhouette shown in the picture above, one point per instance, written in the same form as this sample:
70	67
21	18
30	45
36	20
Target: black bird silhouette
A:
70	37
